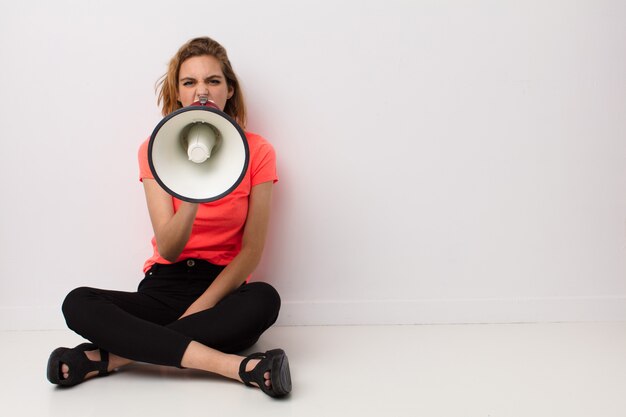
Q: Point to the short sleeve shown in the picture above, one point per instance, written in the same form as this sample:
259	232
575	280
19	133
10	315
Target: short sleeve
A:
144	166
263	164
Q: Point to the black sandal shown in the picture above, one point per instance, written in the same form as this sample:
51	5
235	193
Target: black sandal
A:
276	362
78	363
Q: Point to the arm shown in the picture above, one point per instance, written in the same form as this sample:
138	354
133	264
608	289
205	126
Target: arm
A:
171	229
238	270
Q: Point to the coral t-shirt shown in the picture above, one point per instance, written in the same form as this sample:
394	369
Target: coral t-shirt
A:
217	231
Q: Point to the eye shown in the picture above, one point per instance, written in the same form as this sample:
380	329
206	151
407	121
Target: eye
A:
188	83
215	82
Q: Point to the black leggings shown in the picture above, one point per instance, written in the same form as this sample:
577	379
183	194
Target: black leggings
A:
143	326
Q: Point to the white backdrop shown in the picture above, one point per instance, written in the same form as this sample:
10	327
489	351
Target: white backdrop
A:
440	161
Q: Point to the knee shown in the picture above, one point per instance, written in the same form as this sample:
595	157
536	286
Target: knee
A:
268	297
73	305
269	294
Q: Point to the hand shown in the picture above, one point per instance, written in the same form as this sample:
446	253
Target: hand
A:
193	309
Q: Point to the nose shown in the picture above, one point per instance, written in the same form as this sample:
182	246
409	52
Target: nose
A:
202	91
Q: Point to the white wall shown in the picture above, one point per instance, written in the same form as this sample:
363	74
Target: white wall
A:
440	161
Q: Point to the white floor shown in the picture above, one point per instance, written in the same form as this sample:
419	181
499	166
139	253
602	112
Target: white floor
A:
575	369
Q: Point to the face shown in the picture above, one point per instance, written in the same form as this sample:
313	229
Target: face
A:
202	76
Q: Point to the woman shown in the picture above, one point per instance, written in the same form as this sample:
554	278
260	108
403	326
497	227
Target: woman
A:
194	308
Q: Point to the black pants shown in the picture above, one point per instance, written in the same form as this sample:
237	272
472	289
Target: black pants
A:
143	326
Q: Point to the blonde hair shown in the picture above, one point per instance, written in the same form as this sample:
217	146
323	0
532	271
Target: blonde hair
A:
167	86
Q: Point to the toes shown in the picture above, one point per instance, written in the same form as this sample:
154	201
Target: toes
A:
268	383
65	371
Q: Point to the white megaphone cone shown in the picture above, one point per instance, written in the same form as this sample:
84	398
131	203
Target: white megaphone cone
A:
198	153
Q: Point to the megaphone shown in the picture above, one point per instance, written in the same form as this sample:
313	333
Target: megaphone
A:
198	153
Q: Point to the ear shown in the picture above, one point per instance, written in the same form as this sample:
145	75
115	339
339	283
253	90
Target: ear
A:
231	92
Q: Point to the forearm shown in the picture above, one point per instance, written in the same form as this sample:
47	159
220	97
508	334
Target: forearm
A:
172	229
231	277
173	235
253	242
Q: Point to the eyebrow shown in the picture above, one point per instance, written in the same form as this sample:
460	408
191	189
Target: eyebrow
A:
210	76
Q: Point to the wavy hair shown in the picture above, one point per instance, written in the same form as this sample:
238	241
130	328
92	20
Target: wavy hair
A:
167	85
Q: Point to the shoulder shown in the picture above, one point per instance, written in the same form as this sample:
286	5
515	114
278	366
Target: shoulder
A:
262	159
260	148
257	142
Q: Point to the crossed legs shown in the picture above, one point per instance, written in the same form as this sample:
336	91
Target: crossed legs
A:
144	327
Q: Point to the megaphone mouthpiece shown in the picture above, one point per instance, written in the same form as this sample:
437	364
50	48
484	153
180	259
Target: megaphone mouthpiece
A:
205	101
